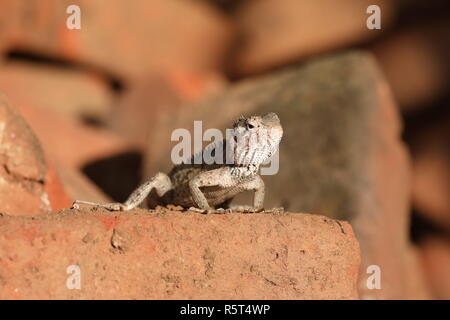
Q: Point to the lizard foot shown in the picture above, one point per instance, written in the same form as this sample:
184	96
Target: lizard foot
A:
203	211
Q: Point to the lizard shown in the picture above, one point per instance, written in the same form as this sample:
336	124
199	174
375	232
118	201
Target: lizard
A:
202	187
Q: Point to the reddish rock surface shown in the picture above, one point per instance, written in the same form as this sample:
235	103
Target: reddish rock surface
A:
274	33
436	263
22	166
178	255
125	38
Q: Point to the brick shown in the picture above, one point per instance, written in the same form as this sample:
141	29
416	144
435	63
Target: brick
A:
178	255
275	33
22	165
123	38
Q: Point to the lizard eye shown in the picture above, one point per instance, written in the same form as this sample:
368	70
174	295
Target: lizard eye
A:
250	126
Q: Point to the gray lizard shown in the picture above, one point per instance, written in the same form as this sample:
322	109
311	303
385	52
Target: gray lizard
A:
202	187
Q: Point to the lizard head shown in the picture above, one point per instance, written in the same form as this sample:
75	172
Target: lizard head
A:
256	138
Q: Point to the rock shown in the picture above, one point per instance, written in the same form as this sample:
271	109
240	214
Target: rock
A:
415	62
274	33
125	39
341	153
436	263
22	166
68	91
431	171
178	255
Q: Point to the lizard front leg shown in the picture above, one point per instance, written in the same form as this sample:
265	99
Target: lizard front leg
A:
256	185
160	182
218	177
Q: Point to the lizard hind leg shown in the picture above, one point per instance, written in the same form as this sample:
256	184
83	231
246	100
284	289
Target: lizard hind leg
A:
160	182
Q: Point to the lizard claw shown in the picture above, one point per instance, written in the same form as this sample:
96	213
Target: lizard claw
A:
75	205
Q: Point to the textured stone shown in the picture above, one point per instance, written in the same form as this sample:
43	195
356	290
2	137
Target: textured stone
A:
178	255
